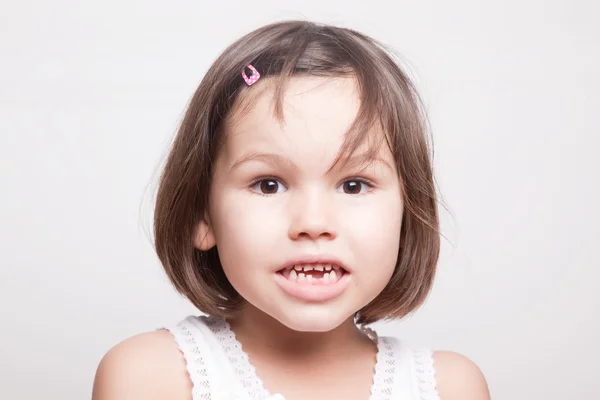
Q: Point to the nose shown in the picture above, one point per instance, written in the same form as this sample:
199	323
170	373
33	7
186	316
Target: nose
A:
312	217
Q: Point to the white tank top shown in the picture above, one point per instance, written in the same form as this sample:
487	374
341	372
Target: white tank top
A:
220	370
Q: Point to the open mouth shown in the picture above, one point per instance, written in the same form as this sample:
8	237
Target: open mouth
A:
314	280
314	274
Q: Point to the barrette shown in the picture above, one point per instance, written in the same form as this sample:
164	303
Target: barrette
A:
253	78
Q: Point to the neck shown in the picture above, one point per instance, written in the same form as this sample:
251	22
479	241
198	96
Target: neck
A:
259	332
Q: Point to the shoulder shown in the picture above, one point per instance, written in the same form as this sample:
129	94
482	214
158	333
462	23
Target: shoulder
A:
147	366
458	377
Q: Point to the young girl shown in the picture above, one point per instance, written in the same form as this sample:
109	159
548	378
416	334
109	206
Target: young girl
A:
296	207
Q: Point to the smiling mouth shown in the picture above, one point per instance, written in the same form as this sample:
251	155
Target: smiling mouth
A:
313	274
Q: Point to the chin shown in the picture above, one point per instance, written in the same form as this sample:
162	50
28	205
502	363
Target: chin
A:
313	318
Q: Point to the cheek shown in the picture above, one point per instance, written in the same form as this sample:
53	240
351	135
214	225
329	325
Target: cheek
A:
246	227
374	233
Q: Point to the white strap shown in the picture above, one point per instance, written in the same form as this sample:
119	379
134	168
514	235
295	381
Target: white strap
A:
192	346
211	377
424	373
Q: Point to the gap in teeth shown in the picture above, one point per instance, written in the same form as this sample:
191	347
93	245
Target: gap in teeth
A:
327	277
317	267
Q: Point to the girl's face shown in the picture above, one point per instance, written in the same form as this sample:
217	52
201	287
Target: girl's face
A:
276	205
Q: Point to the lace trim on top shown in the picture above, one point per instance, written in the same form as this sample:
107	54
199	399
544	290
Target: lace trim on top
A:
383	376
425	375
194	362
385	369
238	358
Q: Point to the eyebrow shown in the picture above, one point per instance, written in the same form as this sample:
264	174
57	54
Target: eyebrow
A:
275	160
363	160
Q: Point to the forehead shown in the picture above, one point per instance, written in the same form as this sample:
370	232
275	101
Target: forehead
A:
317	112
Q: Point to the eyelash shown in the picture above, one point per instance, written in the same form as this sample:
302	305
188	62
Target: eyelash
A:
263	179
367	182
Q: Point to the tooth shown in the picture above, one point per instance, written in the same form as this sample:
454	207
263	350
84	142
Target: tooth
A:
328	268
333	276
301	277
308	268
293	276
318	268
297	267
309	278
326	277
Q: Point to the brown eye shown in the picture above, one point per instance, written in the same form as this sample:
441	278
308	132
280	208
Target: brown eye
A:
353	187
269	186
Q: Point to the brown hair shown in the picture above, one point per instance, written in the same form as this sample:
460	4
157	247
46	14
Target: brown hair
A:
388	98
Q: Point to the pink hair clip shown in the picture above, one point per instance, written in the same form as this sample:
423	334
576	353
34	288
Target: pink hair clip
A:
253	78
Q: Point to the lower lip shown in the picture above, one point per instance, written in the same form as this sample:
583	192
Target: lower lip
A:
313	292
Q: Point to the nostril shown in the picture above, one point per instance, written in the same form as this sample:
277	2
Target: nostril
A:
310	226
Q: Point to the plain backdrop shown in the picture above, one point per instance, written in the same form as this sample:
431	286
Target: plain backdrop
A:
91	94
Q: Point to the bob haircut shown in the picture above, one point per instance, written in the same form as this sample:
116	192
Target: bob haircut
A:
388	98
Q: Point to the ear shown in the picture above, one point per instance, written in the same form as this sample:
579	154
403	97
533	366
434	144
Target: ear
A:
204	238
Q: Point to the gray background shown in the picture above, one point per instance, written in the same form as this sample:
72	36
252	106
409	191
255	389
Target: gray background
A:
91	94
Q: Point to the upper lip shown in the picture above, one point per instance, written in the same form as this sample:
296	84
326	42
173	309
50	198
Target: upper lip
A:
323	259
